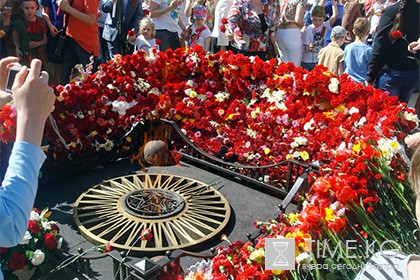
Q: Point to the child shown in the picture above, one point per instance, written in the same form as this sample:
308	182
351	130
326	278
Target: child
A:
146	40
357	54
375	12
313	35
199	33
332	55
30	35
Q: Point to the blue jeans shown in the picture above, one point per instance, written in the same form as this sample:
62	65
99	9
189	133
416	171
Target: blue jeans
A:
169	40
400	83
73	54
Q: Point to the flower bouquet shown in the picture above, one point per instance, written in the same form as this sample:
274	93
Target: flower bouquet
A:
34	251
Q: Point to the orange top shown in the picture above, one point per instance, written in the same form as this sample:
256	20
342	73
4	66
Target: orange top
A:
86	36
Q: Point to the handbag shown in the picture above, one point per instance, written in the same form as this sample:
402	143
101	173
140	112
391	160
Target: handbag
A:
62	36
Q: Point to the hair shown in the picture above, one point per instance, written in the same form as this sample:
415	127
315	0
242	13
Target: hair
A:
398	21
147	21
36	1
361	26
318	11
414	173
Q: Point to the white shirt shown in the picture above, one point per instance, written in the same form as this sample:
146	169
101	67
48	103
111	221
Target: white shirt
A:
168	21
221	11
316	36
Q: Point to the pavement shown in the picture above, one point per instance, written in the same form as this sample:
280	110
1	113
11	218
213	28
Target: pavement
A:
247	204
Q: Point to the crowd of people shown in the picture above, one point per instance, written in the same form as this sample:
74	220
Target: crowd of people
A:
376	42
372	41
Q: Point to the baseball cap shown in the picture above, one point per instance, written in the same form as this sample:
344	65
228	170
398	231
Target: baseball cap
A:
338	32
199	11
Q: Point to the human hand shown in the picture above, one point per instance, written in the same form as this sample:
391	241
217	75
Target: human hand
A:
413	141
5	65
33	44
63	4
176	3
413	47
34	100
53	31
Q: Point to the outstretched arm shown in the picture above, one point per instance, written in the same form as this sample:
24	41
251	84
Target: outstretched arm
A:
34	100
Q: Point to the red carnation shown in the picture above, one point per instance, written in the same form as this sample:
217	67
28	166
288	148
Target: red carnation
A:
146	234
33	227
158	42
49	240
224	20
17	261
396	34
223	28
131	33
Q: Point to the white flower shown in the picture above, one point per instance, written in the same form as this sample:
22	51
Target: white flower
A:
26	238
353	110
34	216
360	122
221	96
301	141
334	85
46	225
108	145
38	257
191	93
122	106
411	117
190	83
309	125
303	258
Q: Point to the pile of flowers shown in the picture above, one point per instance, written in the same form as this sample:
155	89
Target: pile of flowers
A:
256	112
35	249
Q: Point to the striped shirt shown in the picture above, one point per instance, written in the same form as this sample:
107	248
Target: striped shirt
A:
386	265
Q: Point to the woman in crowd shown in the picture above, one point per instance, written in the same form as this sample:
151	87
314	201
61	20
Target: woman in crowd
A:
392	66
166	18
288	16
250	24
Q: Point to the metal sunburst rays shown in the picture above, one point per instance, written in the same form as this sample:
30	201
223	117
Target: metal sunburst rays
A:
117	210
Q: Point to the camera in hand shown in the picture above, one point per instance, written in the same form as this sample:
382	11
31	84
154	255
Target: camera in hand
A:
11	77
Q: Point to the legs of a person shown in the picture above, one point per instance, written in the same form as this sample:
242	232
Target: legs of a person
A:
174	41
289	42
69	60
162	36
115	47
169	40
308	65
73	54
400	83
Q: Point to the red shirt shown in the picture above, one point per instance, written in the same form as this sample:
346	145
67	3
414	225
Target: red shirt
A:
86	36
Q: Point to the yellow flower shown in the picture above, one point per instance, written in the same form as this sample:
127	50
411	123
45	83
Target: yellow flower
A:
257	255
329	214
340	108
128	139
329	115
292	217
73	144
266	151
277	272
304	155
230	116
357	147
288	156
